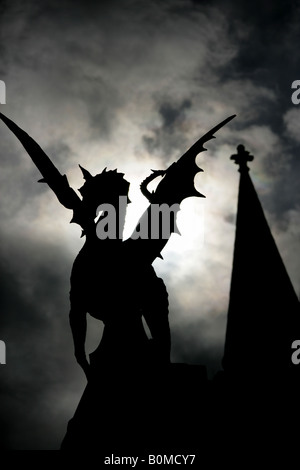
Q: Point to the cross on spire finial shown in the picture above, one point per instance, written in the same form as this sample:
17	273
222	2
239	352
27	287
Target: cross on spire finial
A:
241	158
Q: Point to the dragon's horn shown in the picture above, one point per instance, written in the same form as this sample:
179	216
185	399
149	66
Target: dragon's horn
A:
86	174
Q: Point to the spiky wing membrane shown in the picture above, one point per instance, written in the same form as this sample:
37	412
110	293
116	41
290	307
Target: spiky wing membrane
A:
178	182
176	185
57	182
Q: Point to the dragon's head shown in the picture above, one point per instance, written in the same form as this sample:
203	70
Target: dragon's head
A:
104	188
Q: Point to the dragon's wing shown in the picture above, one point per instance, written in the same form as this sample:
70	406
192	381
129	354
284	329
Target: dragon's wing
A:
178	181
177	184
57	182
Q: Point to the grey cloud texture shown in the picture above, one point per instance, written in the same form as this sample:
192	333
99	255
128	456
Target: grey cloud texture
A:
166	139
132	85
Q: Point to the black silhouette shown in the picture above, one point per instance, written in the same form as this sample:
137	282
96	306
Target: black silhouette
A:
263	304
115	267
114	281
136	400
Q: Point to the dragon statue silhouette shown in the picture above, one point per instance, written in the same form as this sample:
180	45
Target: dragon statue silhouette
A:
113	280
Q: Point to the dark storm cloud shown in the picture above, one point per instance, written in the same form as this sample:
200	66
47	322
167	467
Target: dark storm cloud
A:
281	201
172	116
267	32
166	139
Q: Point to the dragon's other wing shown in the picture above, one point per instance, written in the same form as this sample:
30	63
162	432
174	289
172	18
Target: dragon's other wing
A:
57	182
178	180
176	185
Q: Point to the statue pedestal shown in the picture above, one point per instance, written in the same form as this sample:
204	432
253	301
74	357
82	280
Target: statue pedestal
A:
150	409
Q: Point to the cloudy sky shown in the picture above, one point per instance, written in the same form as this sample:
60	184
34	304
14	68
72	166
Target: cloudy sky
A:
132	84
